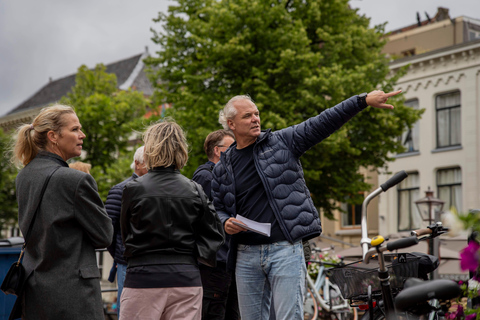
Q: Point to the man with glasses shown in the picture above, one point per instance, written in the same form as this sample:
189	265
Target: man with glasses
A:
219	289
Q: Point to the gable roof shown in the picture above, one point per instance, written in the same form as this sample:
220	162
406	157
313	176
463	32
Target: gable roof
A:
130	74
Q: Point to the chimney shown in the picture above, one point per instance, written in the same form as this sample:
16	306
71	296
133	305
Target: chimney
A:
442	14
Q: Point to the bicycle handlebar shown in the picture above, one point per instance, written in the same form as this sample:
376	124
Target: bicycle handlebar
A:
432	231
397	178
421	232
394	245
318	249
402	243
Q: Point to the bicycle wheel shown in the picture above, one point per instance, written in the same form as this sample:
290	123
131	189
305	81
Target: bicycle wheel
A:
347	313
351	315
310	306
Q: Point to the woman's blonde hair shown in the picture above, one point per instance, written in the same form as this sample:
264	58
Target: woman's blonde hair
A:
165	145
31	138
81	166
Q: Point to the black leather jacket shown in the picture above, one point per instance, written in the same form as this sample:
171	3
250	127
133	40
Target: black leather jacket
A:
164	221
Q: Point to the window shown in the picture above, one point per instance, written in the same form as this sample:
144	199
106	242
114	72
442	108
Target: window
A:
448	120
352	215
473	32
410	138
449	185
408	192
473	35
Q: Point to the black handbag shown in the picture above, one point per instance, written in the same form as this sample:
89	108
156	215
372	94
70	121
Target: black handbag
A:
15	279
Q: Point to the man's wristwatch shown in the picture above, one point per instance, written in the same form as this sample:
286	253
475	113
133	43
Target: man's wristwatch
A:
362	100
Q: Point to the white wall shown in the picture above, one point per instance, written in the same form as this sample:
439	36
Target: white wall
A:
455	68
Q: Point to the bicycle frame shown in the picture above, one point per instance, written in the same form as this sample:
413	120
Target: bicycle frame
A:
328	303
322	282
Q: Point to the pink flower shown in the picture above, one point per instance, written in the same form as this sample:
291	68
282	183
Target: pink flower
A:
471	316
469	257
457	314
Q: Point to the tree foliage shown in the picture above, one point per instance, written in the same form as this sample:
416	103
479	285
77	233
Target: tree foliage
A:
110	117
295	59
8	172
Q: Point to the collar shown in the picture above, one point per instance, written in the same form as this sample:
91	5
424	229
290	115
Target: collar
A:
163	169
42	154
263	135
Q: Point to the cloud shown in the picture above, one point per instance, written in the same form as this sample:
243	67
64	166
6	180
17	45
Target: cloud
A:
52	38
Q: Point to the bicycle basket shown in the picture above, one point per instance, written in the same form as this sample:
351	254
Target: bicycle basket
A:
354	278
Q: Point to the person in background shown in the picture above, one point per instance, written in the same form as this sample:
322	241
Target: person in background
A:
63	279
219	288
167	225
81	166
113	205
260	177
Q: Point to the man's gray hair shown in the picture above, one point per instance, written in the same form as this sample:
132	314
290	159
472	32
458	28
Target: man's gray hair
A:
138	156
229	111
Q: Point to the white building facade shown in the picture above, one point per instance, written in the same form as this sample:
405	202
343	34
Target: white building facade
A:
443	148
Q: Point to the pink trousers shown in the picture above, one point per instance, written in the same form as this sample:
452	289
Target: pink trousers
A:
184	303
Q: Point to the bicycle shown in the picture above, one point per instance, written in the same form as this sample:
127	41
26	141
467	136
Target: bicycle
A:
323	298
382	287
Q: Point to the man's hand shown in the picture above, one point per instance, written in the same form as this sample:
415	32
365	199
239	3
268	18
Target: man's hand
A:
231	228
378	99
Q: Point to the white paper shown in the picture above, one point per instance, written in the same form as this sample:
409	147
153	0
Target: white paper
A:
261	228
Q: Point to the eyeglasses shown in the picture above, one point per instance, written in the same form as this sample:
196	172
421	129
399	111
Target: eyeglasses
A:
222	146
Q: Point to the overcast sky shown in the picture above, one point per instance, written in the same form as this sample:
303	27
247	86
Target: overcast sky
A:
52	38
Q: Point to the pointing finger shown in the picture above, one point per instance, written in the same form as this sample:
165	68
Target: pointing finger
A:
393	93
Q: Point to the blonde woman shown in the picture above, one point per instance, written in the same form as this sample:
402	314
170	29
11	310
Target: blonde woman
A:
167	223
63	278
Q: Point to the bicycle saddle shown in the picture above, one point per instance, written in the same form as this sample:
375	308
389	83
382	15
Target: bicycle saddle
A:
417	292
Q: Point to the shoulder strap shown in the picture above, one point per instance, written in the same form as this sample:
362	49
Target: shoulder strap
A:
27	236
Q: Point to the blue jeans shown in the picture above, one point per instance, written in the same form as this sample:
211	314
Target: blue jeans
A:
271	270
121	272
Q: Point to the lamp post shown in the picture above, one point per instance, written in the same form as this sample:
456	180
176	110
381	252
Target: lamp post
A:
430	209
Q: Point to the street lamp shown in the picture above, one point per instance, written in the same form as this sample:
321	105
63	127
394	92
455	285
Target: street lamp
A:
430	209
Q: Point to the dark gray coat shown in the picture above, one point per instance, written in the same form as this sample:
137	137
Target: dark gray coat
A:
60	254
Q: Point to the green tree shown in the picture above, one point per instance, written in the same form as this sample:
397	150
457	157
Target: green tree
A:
295	59
109	116
8	201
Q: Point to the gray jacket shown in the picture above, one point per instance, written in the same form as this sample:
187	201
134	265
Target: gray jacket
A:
64	280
